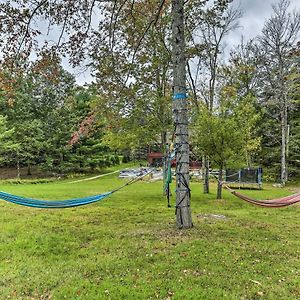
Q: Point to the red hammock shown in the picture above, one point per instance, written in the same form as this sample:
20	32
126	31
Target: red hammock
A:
275	203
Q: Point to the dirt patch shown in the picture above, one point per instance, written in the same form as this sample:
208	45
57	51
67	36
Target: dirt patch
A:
212	216
296	189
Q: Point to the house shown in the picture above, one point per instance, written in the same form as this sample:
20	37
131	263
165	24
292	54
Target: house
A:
155	159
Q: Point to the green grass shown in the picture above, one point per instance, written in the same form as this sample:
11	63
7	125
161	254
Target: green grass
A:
127	246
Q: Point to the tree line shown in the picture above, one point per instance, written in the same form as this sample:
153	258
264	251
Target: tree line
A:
48	121
243	111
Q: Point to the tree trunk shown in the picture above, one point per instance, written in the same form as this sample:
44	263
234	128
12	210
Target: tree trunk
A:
28	170
220	180
61	158
248	160
163	141
183	211
164	173
212	83
287	141
18	167
284	131
205	162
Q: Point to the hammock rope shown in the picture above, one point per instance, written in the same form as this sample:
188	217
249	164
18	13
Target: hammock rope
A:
95	177
68	203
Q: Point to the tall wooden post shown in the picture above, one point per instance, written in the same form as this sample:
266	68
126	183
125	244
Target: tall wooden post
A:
180	111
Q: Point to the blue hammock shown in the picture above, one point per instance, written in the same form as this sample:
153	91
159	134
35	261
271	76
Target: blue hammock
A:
52	204
64	203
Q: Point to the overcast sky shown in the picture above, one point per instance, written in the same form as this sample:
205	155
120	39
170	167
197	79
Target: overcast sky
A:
255	12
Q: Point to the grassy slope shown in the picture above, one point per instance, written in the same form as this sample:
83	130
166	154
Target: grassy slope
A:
127	247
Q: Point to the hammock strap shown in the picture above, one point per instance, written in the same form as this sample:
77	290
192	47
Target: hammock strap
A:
132	181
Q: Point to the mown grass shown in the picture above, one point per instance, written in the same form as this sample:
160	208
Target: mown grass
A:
127	246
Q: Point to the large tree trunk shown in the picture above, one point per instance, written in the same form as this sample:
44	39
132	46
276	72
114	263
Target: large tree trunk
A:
183	211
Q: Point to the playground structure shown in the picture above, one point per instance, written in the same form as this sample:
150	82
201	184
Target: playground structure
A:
244	178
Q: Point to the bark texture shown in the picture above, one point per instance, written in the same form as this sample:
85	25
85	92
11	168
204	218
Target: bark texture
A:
284	141
180	110
205	168
220	180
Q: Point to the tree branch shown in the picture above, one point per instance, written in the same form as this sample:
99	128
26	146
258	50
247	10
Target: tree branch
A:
28	25
153	22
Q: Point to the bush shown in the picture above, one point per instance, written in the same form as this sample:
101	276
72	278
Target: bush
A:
125	159
28	181
114	159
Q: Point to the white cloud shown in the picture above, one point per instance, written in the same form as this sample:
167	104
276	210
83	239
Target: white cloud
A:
255	13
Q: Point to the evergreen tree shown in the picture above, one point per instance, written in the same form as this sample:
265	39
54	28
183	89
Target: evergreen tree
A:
7	146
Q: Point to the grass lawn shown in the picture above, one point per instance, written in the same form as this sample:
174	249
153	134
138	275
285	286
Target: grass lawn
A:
127	247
